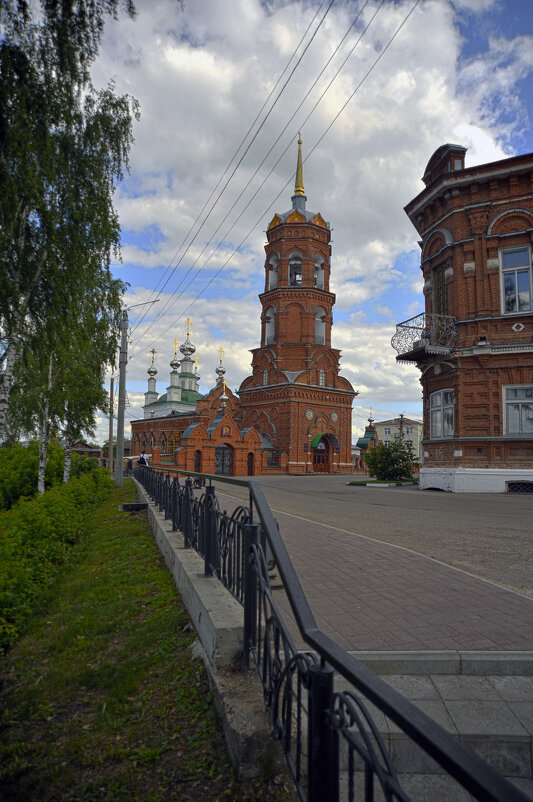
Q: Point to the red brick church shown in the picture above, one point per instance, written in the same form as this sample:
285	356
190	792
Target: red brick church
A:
293	414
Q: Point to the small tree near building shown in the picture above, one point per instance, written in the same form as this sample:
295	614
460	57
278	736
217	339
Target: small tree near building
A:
393	462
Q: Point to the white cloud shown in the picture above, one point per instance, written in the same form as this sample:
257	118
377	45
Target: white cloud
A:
201	77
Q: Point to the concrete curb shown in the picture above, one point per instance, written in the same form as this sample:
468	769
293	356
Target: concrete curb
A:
218	620
509	664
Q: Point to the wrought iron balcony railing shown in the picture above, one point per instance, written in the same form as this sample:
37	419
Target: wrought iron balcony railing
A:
425	334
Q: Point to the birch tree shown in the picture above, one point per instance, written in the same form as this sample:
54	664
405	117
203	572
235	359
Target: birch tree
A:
63	146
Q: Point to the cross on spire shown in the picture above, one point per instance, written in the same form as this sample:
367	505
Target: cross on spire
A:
153	352
220	353
188	322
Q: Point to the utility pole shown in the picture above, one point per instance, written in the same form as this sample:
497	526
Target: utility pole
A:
123	361
110	446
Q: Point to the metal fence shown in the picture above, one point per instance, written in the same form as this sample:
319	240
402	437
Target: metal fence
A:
323	702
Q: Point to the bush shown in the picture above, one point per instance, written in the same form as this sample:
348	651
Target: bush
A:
394	462
82	464
35	538
18	471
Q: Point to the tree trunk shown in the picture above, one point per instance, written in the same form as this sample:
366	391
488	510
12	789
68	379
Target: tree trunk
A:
44	433
5	383
68	459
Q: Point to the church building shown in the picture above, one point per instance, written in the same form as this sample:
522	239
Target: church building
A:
293	414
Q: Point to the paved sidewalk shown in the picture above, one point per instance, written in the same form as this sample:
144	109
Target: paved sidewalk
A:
370	595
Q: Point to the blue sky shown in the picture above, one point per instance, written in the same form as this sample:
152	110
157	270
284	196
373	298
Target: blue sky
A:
193	220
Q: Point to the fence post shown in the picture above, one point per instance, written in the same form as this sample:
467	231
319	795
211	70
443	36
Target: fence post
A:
210	530
251	538
323	766
187	513
174	503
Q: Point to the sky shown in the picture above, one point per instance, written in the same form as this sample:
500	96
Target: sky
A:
224	87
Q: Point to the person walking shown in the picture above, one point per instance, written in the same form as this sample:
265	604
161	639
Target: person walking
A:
143	459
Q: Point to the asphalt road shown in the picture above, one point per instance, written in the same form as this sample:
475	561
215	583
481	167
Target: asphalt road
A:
489	535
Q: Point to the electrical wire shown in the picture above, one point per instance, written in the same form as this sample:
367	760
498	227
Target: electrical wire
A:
320	139
255	191
245	152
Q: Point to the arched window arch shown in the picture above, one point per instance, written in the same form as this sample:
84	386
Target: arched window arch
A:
322	378
319	272
273	272
265	376
320	326
270	326
295	270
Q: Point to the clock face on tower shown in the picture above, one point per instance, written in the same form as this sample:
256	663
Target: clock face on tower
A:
309	414
334	416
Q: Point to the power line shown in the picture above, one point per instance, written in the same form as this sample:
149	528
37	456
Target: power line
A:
170	299
246	150
263	215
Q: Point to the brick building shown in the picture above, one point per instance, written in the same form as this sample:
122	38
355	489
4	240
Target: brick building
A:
295	396
474	343
294	412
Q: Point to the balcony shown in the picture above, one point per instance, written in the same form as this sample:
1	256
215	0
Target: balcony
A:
424	336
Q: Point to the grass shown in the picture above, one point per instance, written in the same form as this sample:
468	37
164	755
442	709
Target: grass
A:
101	698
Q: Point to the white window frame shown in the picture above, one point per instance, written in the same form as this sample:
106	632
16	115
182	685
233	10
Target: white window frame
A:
523	416
524	268
441	404
386	430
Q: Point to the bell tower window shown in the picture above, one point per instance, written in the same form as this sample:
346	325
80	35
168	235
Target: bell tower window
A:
320	326
319	273
295	270
270	326
273	273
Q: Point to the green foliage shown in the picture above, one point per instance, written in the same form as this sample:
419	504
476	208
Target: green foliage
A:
393	462
82	464
18	471
63	147
35	538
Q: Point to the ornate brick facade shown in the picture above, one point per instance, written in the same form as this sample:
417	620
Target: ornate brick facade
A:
294	413
295	396
474	345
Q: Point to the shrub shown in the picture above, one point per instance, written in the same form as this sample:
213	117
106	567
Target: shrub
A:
18	471
393	462
35	538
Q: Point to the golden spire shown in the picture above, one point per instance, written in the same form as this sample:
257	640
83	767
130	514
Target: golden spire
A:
299	184
223	386
196	363
188	322
176	343
153	352
220	353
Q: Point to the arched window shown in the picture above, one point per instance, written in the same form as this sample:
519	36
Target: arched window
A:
270	326
273	272
320	326
265	376
295	270
322	378
319	273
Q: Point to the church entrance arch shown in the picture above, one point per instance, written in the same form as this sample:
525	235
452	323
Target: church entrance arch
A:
224	460
321	450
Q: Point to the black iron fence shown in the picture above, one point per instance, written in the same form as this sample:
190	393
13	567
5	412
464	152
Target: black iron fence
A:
323	702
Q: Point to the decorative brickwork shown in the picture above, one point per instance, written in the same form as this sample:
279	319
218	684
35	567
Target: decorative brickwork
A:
476	229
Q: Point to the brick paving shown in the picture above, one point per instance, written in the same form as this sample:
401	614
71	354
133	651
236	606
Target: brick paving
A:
370	595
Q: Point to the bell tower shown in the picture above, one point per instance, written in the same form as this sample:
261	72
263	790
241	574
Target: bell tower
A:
295	396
